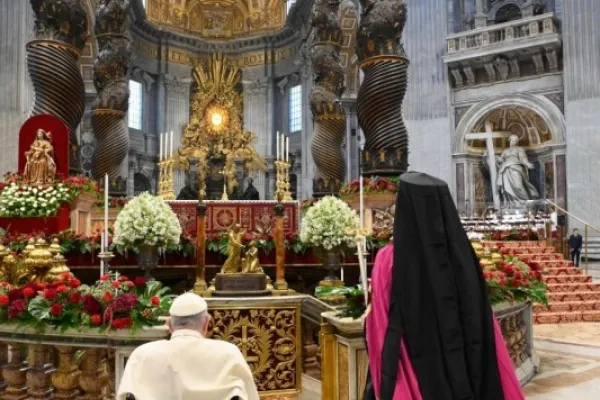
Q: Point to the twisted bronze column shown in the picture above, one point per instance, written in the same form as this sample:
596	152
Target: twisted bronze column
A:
328	114
379	103
61	32
110	79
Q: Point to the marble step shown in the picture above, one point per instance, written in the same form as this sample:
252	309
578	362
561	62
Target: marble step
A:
540	257
561	271
496	243
566	317
573	287
573	296
555	264
568	306
566	279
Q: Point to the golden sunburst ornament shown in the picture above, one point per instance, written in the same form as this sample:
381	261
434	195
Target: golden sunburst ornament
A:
217	119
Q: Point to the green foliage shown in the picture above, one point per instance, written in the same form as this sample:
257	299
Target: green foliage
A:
355	300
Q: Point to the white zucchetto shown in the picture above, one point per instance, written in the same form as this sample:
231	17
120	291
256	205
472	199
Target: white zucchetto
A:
188	304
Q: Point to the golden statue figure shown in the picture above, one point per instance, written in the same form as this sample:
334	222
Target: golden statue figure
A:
40	168
233	264
250	263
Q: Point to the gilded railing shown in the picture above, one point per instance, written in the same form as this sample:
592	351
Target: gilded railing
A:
510	32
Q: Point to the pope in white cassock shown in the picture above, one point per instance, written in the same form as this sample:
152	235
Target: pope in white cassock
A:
188	366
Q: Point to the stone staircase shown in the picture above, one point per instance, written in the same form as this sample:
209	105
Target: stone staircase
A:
572	295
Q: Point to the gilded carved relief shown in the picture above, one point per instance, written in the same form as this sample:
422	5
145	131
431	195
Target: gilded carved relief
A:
269	339
226	19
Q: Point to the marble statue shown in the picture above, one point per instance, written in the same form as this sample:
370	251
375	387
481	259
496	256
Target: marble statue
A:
251	193
40	168
250	262
513	175
233	264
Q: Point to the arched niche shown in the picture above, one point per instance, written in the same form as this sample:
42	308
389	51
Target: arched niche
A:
141	183
540	126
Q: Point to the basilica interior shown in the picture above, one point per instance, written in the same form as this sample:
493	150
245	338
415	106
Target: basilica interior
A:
239	117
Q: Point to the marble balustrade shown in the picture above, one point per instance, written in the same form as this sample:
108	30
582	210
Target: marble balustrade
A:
77	365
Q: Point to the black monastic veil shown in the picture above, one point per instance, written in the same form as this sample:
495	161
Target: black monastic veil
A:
438	300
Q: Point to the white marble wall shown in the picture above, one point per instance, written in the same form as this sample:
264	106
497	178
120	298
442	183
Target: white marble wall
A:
581	51
426	101
16	93
177	92
258	118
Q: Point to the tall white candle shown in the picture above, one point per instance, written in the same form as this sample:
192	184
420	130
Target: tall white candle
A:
171	152
282	147
277	144
106	209
287	149
362	203
160	158
342	274
102	248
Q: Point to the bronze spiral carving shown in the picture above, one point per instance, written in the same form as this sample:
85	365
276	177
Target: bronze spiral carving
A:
57	82
379	101
61	31
326	147
110	79
111	132
328	114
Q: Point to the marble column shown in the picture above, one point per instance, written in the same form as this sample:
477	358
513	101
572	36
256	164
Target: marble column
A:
305	185
16	92
257	119
480	15
582	102
177	94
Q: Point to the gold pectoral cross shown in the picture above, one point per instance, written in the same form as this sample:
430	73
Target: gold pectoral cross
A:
224	172
244	346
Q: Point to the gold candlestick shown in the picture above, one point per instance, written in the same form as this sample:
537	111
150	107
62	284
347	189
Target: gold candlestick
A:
166	170
280	183
287	195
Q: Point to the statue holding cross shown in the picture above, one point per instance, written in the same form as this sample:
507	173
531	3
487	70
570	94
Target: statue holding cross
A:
509	172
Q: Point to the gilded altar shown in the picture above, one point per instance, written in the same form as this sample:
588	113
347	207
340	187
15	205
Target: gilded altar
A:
214	138
268	332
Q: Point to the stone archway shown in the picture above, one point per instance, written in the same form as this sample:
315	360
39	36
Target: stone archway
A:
540	126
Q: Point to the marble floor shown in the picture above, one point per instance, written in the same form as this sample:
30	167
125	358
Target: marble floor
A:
569	362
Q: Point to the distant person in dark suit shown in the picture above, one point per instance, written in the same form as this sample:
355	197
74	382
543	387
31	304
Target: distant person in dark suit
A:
575	245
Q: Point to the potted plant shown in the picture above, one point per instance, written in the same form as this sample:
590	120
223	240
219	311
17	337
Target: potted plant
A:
145	225
328	226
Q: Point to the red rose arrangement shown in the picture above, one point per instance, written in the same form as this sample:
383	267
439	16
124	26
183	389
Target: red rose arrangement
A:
114	302
370	185
513	280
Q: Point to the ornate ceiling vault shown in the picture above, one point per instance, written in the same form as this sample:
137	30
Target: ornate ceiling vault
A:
218	19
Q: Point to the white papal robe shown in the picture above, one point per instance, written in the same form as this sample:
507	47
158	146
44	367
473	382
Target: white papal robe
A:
187	367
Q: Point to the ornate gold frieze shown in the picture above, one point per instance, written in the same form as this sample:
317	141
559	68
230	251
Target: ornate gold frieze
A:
270	340
183	57
223	19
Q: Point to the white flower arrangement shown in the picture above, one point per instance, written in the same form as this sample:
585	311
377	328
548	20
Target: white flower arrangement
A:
475	236
327	223
147	220
33	201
